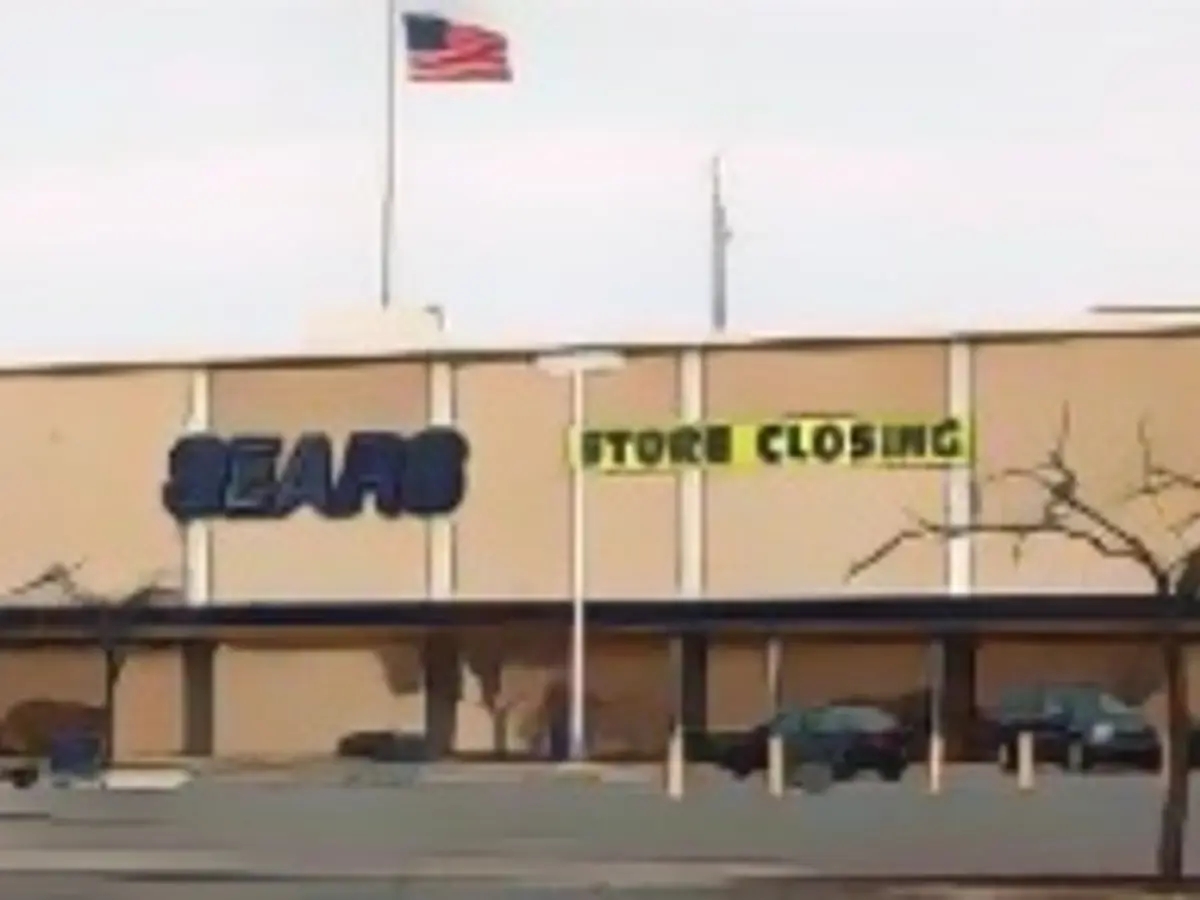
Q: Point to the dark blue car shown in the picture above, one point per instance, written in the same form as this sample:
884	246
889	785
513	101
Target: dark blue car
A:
1078	726
843	740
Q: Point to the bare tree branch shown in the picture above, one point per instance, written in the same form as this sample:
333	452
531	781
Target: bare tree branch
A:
55	574
1158	481
115	613
113	617
1020	532
1064	513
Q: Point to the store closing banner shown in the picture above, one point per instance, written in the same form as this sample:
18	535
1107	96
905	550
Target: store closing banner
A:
802	440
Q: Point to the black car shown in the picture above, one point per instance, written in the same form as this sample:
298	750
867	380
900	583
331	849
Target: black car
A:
848	740
1077	726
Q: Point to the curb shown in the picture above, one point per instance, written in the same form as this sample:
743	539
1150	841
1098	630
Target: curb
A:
118	780
588	772
143	779
182	865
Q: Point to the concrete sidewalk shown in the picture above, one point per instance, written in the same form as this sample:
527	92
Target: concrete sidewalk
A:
349	865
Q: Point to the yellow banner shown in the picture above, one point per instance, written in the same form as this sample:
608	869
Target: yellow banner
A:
801	441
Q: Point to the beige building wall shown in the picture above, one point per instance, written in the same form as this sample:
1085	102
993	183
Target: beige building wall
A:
512	534
795	531
893	674
1130	670
298	695
737	682
85	466
632	522
81	470
516	689
45	690
512	678
888	673
630	699
1109	387
150	704
306	557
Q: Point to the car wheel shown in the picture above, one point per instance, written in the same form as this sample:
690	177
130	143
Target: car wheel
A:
813	777
1006	758
892	773
844	771
1077	757
740	772
24	777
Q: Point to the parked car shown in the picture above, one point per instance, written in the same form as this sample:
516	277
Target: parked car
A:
1077	726
849	740
20	773
383	747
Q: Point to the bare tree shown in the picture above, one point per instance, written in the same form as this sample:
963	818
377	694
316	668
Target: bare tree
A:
1067	513
111	619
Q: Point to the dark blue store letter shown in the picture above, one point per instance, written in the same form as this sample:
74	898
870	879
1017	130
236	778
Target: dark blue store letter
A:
307	476
252	485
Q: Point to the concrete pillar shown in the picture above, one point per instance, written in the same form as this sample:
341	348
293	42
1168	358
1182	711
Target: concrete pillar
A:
676	751
199	702
442	683
1164	763
776	762
959	659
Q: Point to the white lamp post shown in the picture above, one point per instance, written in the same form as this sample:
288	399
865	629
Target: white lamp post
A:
577	366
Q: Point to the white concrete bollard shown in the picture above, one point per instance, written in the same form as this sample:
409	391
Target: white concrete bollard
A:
776	765
676	763
1026	763
937	757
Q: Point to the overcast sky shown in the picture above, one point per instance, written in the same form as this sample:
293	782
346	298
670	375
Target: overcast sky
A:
209	170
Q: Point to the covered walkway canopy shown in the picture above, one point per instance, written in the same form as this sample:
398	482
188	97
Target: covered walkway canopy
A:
1131	615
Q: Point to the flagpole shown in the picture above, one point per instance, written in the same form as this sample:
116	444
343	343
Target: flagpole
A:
387	206
719	245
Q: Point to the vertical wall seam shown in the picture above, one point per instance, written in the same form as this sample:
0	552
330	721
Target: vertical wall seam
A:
440	532
960	551
690	551
197	535
451	562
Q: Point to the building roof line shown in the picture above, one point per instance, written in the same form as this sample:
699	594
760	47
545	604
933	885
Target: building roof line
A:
425	344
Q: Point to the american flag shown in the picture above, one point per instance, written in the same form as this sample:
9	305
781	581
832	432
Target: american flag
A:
442	50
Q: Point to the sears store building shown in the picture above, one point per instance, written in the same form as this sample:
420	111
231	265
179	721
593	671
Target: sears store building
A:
295	548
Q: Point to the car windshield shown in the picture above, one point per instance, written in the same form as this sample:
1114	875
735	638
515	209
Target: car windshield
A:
1109	704
853	718
1020	703
787	722
1069	699
1092	701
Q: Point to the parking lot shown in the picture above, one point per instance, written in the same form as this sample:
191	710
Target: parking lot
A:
406	820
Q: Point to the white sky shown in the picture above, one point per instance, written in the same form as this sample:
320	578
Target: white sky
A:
209	170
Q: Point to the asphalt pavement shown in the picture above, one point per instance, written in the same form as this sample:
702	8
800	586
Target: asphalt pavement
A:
393	829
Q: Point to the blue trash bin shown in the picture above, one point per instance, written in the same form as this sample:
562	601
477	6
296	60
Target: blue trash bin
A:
74	754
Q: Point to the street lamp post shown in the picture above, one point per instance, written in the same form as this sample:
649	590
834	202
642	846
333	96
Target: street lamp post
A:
577	366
